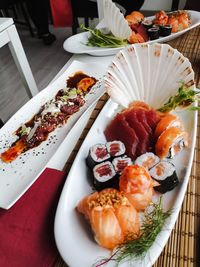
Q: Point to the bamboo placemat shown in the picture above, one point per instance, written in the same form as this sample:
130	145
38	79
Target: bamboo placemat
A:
182	248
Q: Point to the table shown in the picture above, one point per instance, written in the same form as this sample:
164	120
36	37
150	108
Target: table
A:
182	248
9	35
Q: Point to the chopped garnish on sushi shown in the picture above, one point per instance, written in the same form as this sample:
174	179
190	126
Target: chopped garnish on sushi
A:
184	98
112	217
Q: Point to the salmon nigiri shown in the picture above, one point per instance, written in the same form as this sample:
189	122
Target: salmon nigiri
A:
170	142
111	215
169	120
137	185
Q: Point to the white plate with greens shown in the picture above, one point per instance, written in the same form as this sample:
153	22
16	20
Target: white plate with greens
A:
76	44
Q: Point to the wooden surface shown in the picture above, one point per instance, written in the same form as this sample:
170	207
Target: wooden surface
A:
182	249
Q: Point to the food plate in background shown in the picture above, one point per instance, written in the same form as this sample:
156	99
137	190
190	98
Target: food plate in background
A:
128	78
73	233
16	177
77	43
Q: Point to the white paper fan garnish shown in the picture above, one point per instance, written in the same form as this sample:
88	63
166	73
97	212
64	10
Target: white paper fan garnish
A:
149	73
115	20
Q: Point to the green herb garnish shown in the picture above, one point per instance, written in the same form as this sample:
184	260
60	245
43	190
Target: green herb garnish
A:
64	98
184	98
99	39
24	130
153	222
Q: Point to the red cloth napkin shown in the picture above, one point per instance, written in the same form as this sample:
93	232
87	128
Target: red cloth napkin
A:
27	228
61	13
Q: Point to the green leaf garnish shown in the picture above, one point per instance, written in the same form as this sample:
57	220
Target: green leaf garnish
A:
154	220
99	39
24	130
64	98
184	98
72	92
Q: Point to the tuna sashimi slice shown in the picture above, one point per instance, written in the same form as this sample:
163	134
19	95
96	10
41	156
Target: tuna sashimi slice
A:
152	119
141	116
119	129
143	136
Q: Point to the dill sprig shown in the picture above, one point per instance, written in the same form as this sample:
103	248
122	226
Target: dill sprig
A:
153	222
154	219
100	39
184	98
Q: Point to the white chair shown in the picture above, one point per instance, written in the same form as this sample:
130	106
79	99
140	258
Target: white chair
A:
9	35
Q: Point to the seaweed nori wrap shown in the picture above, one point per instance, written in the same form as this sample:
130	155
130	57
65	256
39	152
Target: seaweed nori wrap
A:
105	176
98	153
115	148
147	160
120	163
165	174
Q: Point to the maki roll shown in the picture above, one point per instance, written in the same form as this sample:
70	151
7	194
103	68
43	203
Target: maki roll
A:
120	163
165	30
105	176
153	33
165	174
97	154
115	148
147	24
147	160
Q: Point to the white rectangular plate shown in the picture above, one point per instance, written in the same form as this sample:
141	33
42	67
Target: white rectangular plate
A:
16	177
72	232
77	43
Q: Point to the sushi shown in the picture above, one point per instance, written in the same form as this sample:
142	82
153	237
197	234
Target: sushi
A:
153	33
137	185
112	217
165	30
97	154
104	176
147	160
170	142
120	163
165	174
169	120
115	148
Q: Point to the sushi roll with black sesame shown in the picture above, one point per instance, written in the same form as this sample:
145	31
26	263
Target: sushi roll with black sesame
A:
115	148
105	176
147	160
120	163
97	154
165	174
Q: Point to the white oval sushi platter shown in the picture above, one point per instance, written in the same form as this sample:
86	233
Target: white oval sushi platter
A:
16	177
72	233
77	43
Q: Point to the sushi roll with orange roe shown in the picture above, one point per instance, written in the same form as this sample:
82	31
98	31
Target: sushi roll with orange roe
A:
137	185
170	142
169	120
